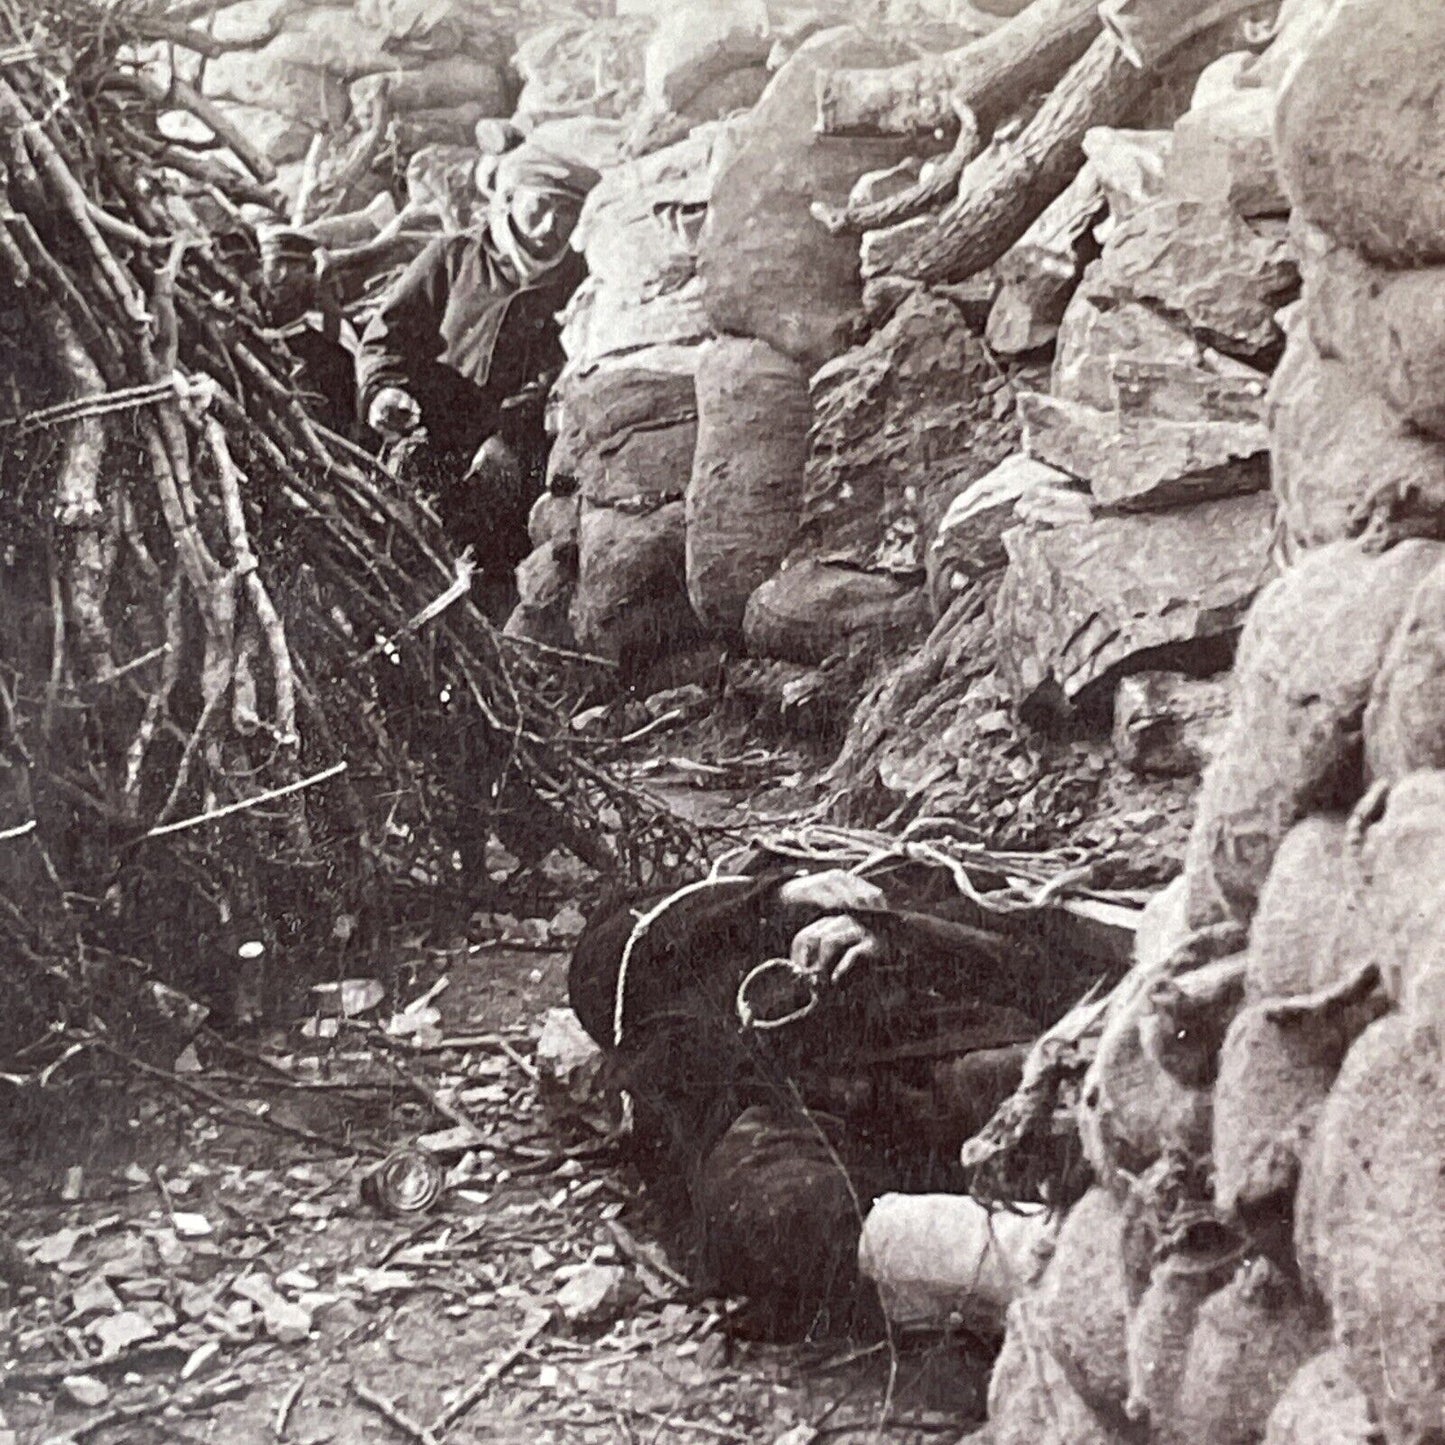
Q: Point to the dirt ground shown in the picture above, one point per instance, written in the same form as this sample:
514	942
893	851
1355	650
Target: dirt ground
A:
184	1272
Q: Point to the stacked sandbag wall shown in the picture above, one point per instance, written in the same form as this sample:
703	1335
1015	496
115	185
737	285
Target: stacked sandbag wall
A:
1265	1109
625	412
287	71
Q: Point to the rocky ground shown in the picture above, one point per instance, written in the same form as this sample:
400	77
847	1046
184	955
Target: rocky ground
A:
195	1260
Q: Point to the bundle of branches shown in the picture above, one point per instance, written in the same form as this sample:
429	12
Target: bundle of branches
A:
244	695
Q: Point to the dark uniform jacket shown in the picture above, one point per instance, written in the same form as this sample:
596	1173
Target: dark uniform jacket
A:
459	335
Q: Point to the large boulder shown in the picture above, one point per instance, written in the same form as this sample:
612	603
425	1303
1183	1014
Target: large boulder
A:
747	476
1361	147
1135	458
1340	453
895	420
1307	661
1207	267
1084	604
770	269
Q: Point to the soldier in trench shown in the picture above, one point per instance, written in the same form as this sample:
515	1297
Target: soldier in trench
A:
456	364
795	1046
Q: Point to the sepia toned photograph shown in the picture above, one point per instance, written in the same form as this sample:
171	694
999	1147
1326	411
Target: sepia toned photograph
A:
722	722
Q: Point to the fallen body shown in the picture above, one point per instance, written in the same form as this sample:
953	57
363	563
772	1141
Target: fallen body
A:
794	1047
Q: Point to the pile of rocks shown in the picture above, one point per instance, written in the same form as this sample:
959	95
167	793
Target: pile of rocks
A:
1259	1257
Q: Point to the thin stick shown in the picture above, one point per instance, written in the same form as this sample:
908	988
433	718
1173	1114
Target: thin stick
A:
389	1412
487	1379
288	1403
245	803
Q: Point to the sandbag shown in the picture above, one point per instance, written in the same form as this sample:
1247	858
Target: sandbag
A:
1405	721
1033	1398
1307	661
1361	147
313	97
1130	1108
1304	936
657	127
699	44
810	610
769	269
1322	1405
1275	1073
1387	327
641	467
942	1261
275	135
1249	1340
443	82
747	474
1370	1227
638	228
599	322
1161	1325
1337	448
631	598
553	518
1402	864
546	584
601	411
1081	1302
582	67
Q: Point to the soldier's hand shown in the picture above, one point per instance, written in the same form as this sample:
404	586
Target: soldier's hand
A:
393	412
831	947
835	891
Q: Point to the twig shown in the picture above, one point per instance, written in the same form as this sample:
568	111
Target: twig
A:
233	1110
389	1412
489	1377
253	802
283	1412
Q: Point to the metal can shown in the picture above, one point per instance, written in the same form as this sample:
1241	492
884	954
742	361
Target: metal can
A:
407	1181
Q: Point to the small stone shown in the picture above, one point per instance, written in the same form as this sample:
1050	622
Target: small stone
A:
118	1332
567	1058
286	1323
595	1295
86	1390
191	1226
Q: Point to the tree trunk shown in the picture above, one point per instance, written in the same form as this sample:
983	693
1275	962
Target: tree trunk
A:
992	76
1014	181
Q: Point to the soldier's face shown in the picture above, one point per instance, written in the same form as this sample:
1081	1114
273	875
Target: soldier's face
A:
544	222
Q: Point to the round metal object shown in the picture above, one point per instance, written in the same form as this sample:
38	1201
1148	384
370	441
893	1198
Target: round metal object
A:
406	1182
